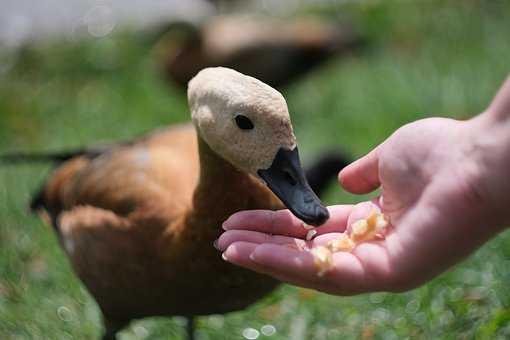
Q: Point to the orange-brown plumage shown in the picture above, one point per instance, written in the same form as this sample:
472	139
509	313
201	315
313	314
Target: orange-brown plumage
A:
140	236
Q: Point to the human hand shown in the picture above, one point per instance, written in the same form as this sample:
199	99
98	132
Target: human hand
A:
434	190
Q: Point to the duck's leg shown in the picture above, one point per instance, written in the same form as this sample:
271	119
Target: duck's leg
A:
111	329
109	335
190	327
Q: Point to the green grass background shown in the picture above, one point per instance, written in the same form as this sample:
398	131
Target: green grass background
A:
425	58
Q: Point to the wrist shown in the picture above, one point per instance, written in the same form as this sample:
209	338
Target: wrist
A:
488	152
499	108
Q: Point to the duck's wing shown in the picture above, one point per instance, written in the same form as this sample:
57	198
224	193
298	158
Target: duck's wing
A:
153	177
112	257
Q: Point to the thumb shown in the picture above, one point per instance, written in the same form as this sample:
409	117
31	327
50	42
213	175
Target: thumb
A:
362	176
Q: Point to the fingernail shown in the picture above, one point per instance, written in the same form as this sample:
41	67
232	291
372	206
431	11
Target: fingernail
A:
225	224
215	244
252	257
224	256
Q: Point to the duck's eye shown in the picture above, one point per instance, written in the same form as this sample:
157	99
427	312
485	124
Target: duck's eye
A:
243	122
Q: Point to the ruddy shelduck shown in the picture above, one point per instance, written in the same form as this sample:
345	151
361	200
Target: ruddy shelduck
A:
138	220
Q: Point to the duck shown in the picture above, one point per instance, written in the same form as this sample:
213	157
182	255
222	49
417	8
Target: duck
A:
275	51
138	219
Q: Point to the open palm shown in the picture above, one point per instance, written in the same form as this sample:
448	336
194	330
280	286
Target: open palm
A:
430	192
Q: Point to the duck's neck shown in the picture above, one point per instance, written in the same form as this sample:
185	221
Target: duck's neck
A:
223	190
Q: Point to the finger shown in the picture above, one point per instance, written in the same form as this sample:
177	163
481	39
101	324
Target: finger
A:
348	274
333	230
232	236
286	262
255	237
282	222
323	239
366	269
362	176
297	267
240	253
359	211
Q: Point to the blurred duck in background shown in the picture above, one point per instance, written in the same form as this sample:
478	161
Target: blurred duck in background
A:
227	5
276	51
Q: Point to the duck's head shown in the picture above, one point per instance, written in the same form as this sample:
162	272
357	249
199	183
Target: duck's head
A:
247	123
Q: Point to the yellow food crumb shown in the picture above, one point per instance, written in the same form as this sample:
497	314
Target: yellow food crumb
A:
323	259
362	230
310	234
378	221
366	230
343	243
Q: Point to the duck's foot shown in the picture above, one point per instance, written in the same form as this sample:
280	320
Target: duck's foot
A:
190	327
111	329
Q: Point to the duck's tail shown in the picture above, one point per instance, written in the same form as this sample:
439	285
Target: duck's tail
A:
37	202
48	157
326	168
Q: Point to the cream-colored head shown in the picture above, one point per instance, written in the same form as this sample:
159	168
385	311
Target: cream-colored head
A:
223	102
247	123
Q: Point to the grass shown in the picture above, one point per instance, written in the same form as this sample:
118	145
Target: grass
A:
425	58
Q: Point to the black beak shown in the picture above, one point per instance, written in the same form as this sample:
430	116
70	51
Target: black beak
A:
287	180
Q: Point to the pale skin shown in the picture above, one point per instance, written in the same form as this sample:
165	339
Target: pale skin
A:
445	188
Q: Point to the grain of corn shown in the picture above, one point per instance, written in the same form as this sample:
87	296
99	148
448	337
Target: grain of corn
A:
323	259
366	230
380	222
361	230
310	234
342	243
